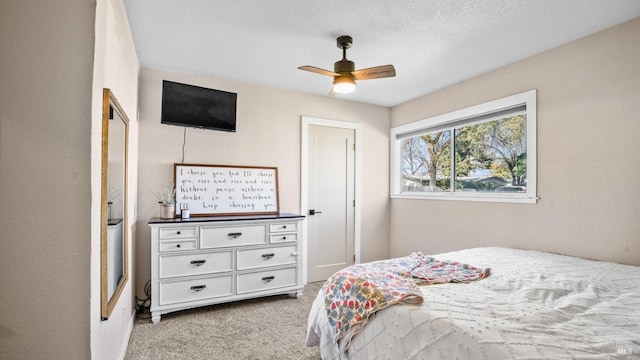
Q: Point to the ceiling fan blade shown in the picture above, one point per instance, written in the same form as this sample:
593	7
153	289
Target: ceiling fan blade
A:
375	72
316	70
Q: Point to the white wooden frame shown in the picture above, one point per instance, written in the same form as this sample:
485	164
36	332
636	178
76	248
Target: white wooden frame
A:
527	98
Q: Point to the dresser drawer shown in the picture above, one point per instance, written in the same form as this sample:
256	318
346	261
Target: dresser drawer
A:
256	258
172	292
178	245
265	280
211	237
283	238
178	232
284	226
195	264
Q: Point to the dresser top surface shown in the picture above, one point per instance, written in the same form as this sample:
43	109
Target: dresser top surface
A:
197	219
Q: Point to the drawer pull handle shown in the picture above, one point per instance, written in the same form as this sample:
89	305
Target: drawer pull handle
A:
198	262
268	256
177	245
268	278
284	238
198	288
178	232
234	235
284	226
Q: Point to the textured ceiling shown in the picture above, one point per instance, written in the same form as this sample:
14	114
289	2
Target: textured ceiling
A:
432	43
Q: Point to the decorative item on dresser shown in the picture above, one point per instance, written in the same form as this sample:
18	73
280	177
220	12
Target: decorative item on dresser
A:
167	200
210	260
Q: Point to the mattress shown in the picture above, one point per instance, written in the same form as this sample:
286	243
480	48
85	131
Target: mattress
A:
535	305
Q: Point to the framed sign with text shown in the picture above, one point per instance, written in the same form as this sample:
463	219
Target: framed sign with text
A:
223	190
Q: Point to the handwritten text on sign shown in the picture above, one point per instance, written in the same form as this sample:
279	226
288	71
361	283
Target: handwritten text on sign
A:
220	190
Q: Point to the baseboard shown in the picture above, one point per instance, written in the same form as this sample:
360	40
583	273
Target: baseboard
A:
132	320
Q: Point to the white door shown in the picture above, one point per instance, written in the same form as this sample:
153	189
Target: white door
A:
330	200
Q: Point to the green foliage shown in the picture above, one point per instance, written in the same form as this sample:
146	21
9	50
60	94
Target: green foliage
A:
499	146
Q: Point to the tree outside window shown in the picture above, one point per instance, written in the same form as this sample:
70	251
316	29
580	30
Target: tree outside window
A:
488	156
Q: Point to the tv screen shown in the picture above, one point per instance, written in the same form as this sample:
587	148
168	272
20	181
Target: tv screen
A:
195	106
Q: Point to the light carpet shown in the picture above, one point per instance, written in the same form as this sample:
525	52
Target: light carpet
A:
265	328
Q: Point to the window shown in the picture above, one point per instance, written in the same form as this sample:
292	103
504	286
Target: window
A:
482	153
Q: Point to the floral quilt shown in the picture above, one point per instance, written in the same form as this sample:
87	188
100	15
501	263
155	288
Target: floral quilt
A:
353	294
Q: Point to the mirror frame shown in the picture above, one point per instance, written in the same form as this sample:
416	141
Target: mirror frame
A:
109	104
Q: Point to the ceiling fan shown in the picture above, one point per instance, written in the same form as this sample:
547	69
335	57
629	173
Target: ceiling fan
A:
344	72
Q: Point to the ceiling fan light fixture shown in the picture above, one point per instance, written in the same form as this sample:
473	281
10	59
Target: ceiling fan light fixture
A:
343	85
344	71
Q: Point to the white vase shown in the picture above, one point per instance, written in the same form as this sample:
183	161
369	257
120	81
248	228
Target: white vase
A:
167	211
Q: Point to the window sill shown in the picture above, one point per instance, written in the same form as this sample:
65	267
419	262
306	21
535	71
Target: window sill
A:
520	199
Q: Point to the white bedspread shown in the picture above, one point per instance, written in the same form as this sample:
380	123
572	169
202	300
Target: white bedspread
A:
535	305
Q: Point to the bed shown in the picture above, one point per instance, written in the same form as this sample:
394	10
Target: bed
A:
534	305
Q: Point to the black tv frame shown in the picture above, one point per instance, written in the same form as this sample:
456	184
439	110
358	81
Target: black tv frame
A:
198	107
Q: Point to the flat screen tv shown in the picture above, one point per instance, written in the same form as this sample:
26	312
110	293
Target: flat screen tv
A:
195	106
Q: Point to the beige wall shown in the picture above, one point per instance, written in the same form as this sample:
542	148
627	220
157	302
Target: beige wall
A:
46	70
268	134
116	67
53	73
588	99
588	130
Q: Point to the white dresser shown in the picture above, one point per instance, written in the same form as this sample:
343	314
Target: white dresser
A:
204	261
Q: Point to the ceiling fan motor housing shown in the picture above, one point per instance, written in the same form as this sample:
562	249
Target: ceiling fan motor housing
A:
344	67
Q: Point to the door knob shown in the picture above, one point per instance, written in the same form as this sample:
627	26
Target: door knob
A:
313	212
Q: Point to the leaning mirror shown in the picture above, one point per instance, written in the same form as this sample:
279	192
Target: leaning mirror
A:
113	238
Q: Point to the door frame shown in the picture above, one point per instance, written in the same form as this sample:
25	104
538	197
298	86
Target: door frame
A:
306	121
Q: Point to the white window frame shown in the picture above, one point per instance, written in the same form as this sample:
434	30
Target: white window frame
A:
397	134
